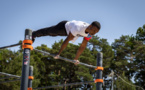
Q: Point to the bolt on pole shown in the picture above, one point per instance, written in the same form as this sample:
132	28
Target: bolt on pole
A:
26	46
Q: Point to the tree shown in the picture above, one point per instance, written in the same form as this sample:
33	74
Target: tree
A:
124	84
6	56
140	34
122	54
139	64
101	45
124	58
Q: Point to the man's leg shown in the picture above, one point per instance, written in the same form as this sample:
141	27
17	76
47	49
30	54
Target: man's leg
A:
57	30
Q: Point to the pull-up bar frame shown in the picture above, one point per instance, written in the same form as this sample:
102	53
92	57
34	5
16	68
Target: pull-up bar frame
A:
65	59
98	68
26	45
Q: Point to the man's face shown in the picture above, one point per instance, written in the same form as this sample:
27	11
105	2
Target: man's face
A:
93	30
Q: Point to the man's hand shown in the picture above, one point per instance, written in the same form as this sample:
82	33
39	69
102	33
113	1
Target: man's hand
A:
56	57
76	62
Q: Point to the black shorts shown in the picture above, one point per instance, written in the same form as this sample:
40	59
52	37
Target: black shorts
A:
56	30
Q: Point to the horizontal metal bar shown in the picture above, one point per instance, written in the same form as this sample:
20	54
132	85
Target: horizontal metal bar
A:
6	77
65	59
10	81
64	85
13	45
10	75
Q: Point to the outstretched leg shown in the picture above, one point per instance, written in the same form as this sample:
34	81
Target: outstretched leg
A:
56	30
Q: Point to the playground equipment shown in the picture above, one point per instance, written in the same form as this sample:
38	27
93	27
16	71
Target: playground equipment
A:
28	73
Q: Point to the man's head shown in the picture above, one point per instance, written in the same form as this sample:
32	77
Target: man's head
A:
93	28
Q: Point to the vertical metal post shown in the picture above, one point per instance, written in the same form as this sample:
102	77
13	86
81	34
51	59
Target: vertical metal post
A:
99	71
26	59
30	78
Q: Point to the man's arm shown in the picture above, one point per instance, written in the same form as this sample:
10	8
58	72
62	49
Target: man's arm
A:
81	49
65	43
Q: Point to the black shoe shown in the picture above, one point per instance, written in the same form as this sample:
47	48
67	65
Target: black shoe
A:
33	39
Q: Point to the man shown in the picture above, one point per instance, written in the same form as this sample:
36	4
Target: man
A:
72	29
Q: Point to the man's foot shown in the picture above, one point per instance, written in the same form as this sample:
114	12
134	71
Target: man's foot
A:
33	39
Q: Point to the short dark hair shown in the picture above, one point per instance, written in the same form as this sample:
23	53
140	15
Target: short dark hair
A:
97	24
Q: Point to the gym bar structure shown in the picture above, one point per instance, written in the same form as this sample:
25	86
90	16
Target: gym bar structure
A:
27	47
27	84
98	68
27	72
65	59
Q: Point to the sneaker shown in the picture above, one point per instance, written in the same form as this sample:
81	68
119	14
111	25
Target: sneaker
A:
33	39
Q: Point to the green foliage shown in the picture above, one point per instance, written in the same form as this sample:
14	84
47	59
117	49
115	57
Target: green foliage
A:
140	34
123	85
123	54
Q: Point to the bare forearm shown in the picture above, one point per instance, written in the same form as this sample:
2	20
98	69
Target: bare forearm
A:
79	52
65	43
81	49
63	46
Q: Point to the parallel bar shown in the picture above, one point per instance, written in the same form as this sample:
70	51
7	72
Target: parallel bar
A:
64	85
6	78
10	75
13	45
10	81
65	59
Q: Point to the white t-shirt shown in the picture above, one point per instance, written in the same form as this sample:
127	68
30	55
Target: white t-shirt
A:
77	28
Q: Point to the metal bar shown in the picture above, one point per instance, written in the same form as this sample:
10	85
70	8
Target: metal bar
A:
64	85
10	75
65	59
6	77
26	61
13	45
10	81
99	72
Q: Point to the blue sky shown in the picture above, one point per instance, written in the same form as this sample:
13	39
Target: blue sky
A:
117	17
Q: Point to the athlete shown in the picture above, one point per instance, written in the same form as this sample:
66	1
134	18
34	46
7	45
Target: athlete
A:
72	29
